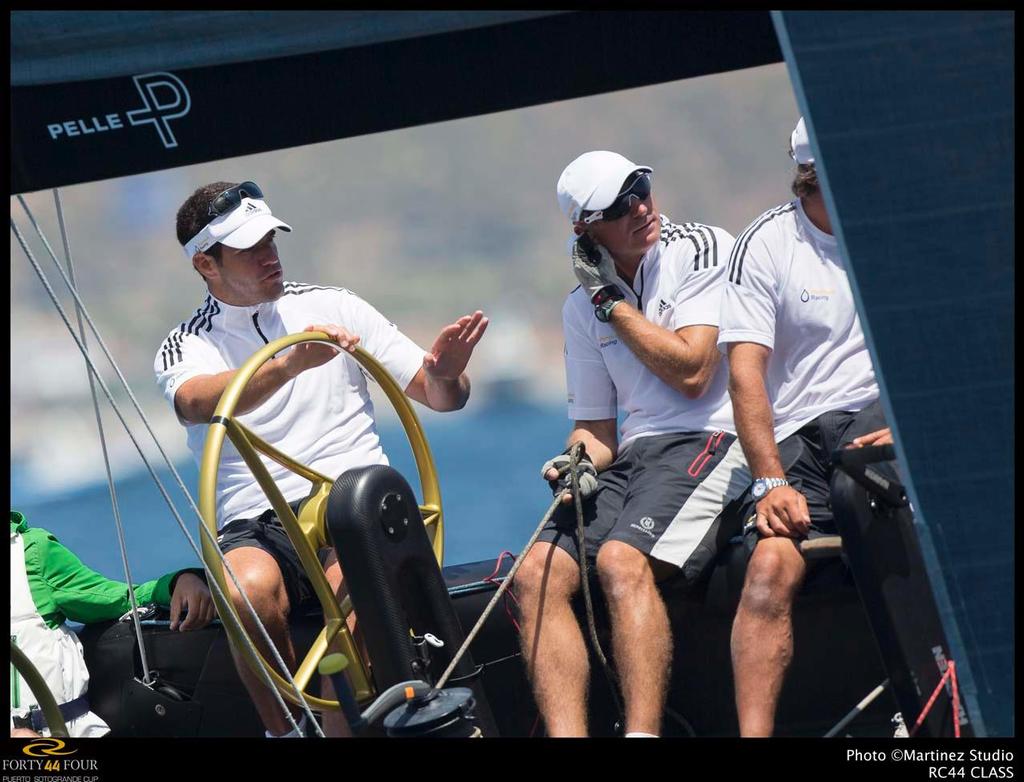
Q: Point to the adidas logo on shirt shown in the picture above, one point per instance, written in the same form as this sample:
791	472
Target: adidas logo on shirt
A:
662	306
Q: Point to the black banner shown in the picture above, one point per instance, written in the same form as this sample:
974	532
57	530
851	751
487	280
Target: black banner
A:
76	132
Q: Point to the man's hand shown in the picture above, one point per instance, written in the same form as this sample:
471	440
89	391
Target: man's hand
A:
783	512
191	597
314	354
593	266
880	437
556	472
450	352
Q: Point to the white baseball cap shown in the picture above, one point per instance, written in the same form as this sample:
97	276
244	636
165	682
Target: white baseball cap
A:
592	181
800	145
240	228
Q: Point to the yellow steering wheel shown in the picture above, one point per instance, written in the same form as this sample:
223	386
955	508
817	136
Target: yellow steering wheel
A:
306	531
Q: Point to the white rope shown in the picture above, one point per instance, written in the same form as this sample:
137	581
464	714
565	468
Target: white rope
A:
213	582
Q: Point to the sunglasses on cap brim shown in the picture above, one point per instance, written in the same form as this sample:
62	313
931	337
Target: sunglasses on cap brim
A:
232	198
638	190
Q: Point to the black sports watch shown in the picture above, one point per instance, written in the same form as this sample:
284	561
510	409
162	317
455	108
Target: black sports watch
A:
762	486
605	300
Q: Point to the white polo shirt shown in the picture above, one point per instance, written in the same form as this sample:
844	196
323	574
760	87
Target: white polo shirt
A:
787	289
323	418
678	284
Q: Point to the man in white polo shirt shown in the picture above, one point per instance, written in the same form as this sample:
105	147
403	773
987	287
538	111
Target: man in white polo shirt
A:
311	402
802	385
640	334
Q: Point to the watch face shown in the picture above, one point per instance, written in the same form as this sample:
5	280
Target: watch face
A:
758	490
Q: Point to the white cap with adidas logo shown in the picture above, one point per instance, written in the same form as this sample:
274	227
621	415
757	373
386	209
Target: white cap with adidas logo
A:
240	228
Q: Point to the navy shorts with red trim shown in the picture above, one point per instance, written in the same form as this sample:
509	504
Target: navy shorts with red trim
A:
664	496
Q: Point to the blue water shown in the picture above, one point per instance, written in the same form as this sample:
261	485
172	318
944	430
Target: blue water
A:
488	463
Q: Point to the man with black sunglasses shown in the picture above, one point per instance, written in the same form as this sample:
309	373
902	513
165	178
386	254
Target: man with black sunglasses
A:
640	334
311	401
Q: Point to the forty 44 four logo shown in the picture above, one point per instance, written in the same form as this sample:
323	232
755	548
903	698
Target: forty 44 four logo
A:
164	98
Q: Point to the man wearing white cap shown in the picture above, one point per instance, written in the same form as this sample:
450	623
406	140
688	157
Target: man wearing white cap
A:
802	385
310	403
640	334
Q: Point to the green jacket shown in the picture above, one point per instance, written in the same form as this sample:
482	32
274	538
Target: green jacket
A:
64	588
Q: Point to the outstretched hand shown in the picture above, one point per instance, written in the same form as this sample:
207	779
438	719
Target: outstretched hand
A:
450	352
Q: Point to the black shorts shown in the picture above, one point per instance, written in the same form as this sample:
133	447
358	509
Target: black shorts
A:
806	457
664	496
266	532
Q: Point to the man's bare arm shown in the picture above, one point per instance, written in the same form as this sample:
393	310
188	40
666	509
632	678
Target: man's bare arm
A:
751	408
197	398
783	510
685	359
600	438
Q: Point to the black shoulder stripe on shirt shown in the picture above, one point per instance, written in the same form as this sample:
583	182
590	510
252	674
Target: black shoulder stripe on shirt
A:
739	250
298	288
214	313
169	347
198	317
170	351
707	237
670	232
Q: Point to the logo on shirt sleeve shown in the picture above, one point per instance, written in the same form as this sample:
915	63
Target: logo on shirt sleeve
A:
662	307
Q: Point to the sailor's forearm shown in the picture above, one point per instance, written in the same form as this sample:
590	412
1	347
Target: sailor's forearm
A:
444	394
600	440
197	400
685	366
755	427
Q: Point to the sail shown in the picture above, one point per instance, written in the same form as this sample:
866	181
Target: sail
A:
916	150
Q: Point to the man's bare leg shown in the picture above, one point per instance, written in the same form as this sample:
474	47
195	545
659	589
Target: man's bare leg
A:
762	633
260	577
556	656
641	635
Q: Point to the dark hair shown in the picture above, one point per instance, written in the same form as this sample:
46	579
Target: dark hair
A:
805	183
194	215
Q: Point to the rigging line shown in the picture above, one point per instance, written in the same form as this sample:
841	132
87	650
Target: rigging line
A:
147	677
152	473
497	596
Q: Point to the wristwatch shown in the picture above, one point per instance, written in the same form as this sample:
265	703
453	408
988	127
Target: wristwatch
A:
762	486
605	300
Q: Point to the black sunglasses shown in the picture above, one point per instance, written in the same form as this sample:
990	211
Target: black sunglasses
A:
638	189
233	196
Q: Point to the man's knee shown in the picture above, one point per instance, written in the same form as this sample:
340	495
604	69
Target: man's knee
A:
774	575
547	570
623	570
259	576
